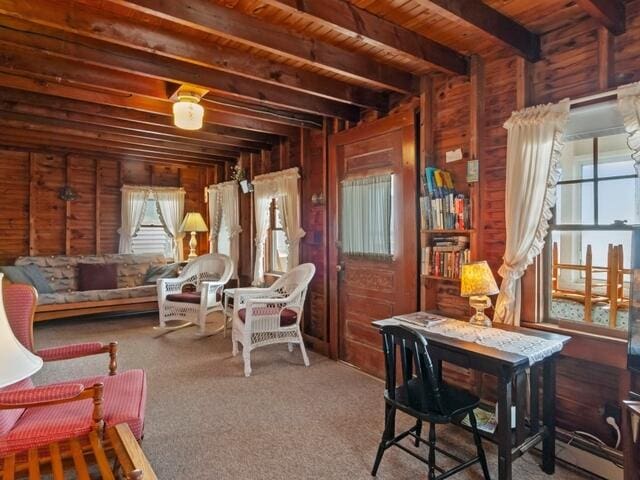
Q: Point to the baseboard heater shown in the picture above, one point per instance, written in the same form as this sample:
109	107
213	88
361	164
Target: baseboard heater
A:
581	454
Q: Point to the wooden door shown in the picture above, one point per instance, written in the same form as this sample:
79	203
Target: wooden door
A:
364	289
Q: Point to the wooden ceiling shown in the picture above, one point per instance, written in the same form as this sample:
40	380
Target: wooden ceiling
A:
96	75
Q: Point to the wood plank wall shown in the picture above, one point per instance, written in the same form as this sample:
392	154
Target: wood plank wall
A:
573	65
35	221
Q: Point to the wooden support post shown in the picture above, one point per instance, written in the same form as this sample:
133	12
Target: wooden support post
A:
524	83
32	204
67	216
606	59
98	194
426	122
476	133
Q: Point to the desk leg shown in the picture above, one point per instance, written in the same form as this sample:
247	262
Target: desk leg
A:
534	402
504	428
549	416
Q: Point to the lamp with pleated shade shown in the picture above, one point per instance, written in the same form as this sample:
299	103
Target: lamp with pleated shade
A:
193	222
16	362
477	283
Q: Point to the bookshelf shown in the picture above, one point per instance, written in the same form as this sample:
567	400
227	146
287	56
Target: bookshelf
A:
434	288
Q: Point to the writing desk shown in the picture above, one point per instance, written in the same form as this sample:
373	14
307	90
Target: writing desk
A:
510	369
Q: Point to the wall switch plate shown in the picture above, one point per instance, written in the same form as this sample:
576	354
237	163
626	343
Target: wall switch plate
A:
473	171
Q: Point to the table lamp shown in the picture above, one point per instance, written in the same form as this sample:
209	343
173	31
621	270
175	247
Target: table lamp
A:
193	222
477	283
16	362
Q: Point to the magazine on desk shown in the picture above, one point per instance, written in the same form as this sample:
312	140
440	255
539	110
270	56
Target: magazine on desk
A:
421	319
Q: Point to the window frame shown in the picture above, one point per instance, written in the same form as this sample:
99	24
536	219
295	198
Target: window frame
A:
270	243
161	225
547	261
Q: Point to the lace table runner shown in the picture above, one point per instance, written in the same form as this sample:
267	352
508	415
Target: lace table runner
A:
535	348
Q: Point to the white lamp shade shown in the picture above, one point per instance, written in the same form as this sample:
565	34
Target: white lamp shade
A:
193	222
188	114
16	362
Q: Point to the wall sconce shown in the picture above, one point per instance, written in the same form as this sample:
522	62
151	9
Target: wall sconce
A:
318	199
67	194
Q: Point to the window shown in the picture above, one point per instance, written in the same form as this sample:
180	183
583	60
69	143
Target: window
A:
589	247
277	250
152	236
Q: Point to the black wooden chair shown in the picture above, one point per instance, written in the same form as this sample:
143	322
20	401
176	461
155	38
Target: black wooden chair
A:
423	395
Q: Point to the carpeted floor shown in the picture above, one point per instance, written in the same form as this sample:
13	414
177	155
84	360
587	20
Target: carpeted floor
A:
205	420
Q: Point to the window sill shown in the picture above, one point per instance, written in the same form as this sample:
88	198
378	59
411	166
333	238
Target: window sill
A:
591	347
613	336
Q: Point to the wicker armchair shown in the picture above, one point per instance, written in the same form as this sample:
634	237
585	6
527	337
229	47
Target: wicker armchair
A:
264	316
197	292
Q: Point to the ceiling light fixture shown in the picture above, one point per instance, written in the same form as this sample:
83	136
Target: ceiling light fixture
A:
187	111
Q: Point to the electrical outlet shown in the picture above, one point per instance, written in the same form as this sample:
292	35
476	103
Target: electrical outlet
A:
611	410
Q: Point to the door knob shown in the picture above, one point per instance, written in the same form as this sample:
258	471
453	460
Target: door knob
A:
338	268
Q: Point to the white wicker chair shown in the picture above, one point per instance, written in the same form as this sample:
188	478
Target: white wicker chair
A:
208	274
264	316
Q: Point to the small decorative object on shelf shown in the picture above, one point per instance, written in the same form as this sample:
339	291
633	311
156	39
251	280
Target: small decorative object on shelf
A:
238	174
445	256
441	207
477	283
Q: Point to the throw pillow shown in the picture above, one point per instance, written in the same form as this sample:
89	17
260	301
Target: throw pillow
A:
29	275
97	276
156	272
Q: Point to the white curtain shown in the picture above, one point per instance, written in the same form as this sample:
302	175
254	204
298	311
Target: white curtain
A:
132	210
629	106
365	216
264	192
171	207
215	216
288	200
224	208
231	215
534	144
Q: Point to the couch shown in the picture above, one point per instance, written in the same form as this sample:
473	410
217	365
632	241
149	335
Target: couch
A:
61	273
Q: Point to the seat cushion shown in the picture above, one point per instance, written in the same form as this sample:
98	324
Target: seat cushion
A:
288	317
189	297
97	276
124	402
125	397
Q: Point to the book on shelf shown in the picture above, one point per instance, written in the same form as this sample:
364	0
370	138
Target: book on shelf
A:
445	255
441	207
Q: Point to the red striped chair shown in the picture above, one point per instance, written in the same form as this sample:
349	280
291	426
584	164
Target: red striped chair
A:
33	416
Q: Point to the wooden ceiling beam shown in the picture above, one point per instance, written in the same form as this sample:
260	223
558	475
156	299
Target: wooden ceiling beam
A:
22	144
87	130
99	24
15	136
609	13
139	103
477	14
123	127
357	23
18	47
231	24
128	119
